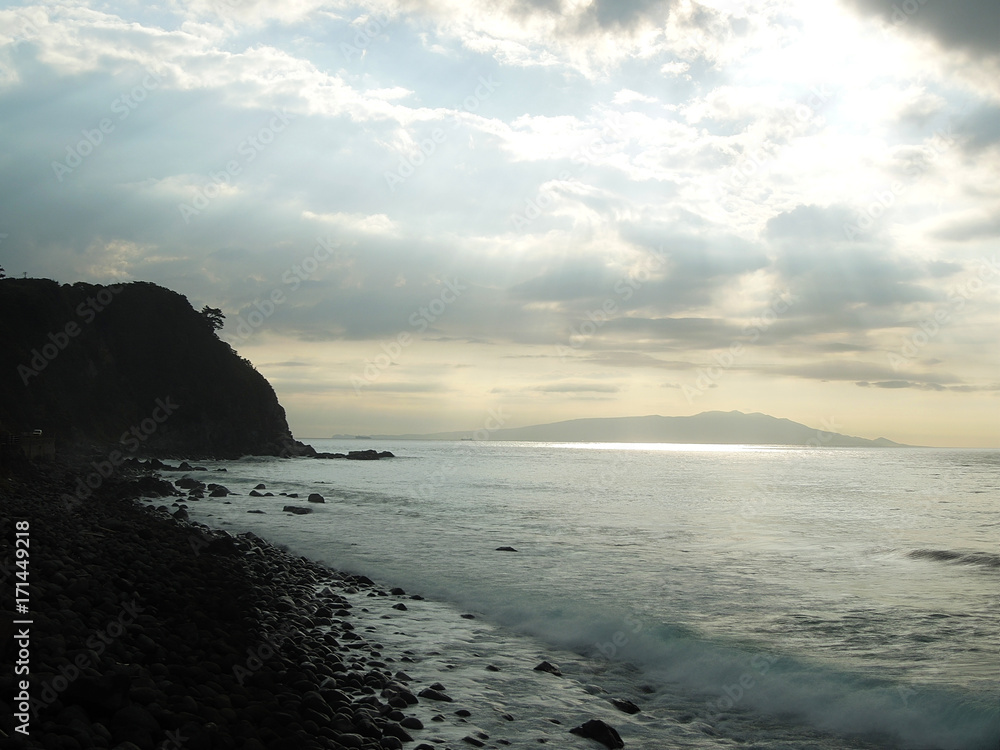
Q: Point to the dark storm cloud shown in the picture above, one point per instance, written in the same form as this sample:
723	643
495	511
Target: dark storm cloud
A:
972	26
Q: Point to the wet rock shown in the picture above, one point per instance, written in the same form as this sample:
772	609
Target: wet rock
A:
397	592
351	739
434	695
468	617
149	487
411	722
259	512
505	549
464	713
549	667
254	493
368	455
473	741
401	607
261	486
625	705
492	668
296	510
315	497
397	731
597	730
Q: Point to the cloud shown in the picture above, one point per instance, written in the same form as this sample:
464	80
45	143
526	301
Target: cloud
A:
833	274
924	386
966	25
977	226
856	370
678	165
577	387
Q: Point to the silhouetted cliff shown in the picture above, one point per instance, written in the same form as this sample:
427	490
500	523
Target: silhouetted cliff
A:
134	366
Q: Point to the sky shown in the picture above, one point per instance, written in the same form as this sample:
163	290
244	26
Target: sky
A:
429	215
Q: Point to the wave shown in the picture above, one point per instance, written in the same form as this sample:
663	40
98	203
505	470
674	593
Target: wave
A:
731	686
983	559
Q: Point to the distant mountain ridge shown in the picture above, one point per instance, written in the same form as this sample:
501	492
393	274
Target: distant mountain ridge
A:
710	427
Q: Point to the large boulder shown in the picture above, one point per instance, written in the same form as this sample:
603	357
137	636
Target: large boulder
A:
150	486
550	668
597	730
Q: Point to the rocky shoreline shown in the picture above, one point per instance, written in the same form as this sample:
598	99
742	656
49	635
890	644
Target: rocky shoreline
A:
150	631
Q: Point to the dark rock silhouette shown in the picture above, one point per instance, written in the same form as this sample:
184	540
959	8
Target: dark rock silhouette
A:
597	730
132	367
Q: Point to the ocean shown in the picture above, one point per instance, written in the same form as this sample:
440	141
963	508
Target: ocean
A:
740	596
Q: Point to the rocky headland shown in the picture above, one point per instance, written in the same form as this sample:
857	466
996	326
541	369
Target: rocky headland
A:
131	367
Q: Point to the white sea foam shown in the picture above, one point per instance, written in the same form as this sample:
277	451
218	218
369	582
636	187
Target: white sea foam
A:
767	595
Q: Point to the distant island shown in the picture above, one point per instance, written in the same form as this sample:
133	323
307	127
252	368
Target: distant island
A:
710	427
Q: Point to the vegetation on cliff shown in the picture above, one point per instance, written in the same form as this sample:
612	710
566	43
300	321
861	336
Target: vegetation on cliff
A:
131	365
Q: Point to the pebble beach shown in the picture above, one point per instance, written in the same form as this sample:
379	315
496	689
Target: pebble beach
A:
151	631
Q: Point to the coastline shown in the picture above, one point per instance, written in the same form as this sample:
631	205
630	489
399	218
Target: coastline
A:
151	631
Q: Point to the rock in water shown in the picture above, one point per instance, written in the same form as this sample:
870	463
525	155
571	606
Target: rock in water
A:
597	730
548	667
505	549
625	705
315	497
297	510
434	695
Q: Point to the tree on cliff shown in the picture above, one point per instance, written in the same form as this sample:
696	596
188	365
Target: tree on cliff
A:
2	274
214	317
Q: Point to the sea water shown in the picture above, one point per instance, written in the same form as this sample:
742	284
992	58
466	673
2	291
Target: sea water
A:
766	597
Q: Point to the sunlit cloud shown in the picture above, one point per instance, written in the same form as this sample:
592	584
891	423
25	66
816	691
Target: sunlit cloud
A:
612	197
